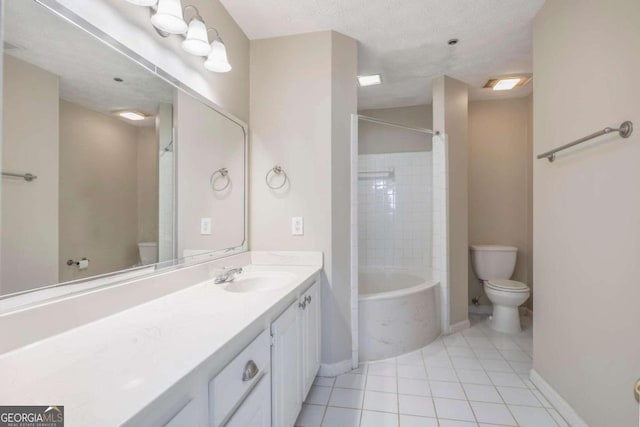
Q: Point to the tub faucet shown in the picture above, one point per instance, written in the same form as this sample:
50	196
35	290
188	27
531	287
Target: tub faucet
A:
227	275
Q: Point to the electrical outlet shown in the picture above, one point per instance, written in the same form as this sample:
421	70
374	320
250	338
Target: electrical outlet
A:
297	226
205	226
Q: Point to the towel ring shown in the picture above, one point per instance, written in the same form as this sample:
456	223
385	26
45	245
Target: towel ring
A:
224	173
276	170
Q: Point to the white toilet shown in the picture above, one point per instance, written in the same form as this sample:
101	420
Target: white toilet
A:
148	252
494	265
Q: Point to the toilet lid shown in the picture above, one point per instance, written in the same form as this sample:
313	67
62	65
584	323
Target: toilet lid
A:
508	285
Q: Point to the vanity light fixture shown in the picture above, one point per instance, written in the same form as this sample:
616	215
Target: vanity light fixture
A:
217	60
197	40
371	80
507	82
168	17
131	115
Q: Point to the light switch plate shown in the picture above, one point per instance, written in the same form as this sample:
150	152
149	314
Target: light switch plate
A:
297	226
205	226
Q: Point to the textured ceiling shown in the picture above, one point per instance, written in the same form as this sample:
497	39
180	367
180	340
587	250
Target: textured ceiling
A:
86	66
406	40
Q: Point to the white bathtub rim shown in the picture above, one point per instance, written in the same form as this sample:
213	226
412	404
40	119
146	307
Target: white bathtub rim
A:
399	292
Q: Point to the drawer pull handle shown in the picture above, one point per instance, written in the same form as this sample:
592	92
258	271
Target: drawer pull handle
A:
250	371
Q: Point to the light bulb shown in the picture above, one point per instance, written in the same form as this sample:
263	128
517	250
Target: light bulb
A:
197	41
168	17
217	60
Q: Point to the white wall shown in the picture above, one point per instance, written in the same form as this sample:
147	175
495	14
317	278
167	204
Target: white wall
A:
29	144
450	115
302	94
395	214
587	207
375	138
98	192
500	177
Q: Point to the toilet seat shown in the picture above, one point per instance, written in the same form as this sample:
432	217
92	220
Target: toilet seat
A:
507	285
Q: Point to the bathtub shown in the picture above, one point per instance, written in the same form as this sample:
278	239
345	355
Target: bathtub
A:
398	312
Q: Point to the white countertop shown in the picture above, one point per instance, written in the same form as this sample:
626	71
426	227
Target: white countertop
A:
106	371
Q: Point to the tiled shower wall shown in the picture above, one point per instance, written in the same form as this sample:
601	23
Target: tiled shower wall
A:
395	213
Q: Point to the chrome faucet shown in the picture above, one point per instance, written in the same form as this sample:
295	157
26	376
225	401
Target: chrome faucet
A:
227	275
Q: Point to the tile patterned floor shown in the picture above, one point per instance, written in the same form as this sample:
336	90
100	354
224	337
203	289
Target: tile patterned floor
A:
475	378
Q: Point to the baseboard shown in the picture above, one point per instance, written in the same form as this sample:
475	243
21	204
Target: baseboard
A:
334	369
460	326
561	405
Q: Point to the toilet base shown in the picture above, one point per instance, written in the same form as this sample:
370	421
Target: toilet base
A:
505	319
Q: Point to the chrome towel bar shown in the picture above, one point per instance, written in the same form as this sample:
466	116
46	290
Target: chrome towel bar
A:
26	176
625	130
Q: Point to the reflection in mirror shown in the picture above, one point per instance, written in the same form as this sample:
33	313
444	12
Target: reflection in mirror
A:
96	130
211	161
114	150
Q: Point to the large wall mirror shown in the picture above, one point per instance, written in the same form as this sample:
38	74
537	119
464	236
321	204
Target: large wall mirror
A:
107	168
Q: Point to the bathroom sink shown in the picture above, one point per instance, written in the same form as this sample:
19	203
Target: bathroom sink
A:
259	281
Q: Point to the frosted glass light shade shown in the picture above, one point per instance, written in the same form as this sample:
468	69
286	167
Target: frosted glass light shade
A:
143	2
197	42
169	18
217	60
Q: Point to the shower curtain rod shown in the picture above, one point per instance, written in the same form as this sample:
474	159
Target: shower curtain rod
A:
383	122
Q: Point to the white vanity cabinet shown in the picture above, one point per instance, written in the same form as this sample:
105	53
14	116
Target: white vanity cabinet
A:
286	369
311	336
295	356
237	394
262	385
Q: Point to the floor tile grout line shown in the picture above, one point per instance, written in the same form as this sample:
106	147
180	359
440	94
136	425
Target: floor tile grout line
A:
460	382
500	394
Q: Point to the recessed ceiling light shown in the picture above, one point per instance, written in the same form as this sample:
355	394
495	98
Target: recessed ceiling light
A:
131	115
507	82
374	79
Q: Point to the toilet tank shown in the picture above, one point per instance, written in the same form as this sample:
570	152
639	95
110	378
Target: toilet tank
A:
493	261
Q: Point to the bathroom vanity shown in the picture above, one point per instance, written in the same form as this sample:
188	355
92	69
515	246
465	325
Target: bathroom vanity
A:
242	353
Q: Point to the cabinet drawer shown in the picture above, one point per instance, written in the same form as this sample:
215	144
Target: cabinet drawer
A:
236	380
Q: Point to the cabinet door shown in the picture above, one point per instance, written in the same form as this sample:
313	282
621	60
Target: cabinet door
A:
311	336
286	380
187	416
255	411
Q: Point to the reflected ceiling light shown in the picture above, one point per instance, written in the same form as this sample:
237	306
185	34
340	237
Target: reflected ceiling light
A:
169	17
374	79
131	115
507	82
196	41
143	2
217	60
